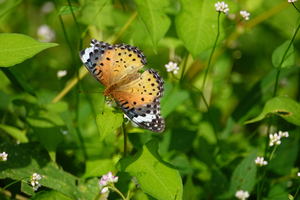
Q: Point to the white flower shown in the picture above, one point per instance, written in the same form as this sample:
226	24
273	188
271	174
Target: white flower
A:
245	15
242	195
172	67
298	174
3	156
222	7
34	181
106	180
61	73
135	181
45	33
291	1
283	134
47	7
275	139
260	161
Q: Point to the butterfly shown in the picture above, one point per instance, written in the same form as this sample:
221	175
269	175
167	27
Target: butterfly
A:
117	68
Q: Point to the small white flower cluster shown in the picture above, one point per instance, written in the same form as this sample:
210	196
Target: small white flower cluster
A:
298	174
222	7
242	195
61	73
34	181
135	181
45	33
244	14
3	156
291	1
260	161
172	67
106	180
275	139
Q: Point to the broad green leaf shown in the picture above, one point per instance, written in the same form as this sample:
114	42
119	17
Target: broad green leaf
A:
152	14
94	12
98	167
66	9
50	195
289	59
289	150
26	187
254	97
26	159
108	121
18	80
282	106
48	126
189	189
170	42
243	177
15	48
219	183
14	132
155	176
196	25
169	104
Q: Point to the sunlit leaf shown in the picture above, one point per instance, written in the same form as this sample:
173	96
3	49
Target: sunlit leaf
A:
156	177
98	167
289	59
154	18
50	195
108	121
14	132
282	106
196	25
15	48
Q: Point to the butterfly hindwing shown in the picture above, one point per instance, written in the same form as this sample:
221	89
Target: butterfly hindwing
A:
140	100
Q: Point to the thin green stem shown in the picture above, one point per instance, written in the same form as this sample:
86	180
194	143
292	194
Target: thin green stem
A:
271	156
12	183
297	192
10	8
296	7
77	25
212	52
282	60
115	189
125	138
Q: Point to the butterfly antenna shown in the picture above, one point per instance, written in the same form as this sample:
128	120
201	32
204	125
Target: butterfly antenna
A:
88	92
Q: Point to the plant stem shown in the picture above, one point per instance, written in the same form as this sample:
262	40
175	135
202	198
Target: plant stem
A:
12	184
212	52
125	138
115	189
282	60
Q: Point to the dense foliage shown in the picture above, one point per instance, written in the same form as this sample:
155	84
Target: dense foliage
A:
235	97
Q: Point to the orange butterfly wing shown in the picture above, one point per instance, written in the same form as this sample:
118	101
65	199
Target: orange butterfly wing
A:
138	95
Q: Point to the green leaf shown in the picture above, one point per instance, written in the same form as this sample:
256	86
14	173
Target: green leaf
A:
289	150
152	14
289	59
17	79
14	132
48	126
26	159
15	48
155	176
169	105
50	195
194	25
243	177
98	167
282	106
219	183
66	9
109	121
26	188
189	189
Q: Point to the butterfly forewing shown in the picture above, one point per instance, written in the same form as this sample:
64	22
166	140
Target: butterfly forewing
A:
138	95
